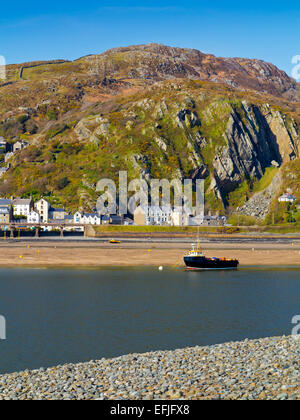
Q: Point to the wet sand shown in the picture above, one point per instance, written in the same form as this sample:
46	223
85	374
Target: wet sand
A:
64	254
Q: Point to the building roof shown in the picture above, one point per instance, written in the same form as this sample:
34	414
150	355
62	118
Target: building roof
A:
91	215
21	202
154	209
4	202
22	142
57	210
182	209
42	199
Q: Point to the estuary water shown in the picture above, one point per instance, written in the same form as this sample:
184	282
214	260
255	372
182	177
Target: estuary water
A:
56	316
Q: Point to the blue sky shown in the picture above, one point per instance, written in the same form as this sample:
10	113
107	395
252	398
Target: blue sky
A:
70	29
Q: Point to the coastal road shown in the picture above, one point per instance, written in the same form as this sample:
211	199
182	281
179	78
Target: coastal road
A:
284	243
272	239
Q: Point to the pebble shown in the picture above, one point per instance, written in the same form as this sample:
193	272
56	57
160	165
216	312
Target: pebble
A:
267	368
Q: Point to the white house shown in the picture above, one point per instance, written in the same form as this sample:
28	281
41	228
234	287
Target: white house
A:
19	145
22	207
8	155
159	215
4	169
33	217
87	218
153	215
287	198
77	217
91	219
3	144
180	216
42	206
196	220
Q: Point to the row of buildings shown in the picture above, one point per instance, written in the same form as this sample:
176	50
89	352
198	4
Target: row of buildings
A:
42	212
25	210
174	216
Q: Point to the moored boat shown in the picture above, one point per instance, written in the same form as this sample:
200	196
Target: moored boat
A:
196	260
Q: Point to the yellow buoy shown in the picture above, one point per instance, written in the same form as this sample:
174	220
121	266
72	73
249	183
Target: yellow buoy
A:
21	256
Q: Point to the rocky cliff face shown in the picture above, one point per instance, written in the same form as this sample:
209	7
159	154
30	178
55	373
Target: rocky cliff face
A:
257	137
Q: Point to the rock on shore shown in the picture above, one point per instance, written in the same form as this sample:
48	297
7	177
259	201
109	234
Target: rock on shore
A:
267	368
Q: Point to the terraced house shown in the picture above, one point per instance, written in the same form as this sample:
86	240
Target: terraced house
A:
43	207
5	214
22	207
57	214
34	217
87	218
153	215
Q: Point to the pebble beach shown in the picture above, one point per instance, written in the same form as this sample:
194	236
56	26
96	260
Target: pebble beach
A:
267	368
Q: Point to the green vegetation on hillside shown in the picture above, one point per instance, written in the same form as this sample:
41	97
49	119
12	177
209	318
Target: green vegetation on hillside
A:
91	118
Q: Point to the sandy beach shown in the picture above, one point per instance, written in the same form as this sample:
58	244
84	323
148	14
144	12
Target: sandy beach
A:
100	254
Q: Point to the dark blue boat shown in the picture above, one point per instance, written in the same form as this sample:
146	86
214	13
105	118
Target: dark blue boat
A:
195	260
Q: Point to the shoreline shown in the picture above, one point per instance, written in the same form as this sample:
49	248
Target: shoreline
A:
264	369
146	254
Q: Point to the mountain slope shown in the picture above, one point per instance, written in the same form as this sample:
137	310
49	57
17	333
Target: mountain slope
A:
145	110
174	129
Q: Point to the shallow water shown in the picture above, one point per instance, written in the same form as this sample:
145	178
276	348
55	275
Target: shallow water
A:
62	316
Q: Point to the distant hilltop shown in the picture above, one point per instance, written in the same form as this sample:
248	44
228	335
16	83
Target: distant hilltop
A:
154	62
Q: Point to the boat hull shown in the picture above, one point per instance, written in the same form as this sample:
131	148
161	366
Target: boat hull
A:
202	263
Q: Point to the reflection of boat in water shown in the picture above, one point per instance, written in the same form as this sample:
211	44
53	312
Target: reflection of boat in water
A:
195	260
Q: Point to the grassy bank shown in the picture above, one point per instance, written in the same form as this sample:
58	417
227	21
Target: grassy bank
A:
191	230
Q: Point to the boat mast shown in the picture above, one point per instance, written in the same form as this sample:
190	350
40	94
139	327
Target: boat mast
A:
198	239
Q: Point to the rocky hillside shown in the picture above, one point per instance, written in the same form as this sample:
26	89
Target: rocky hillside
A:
158	62
96	78
157	112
